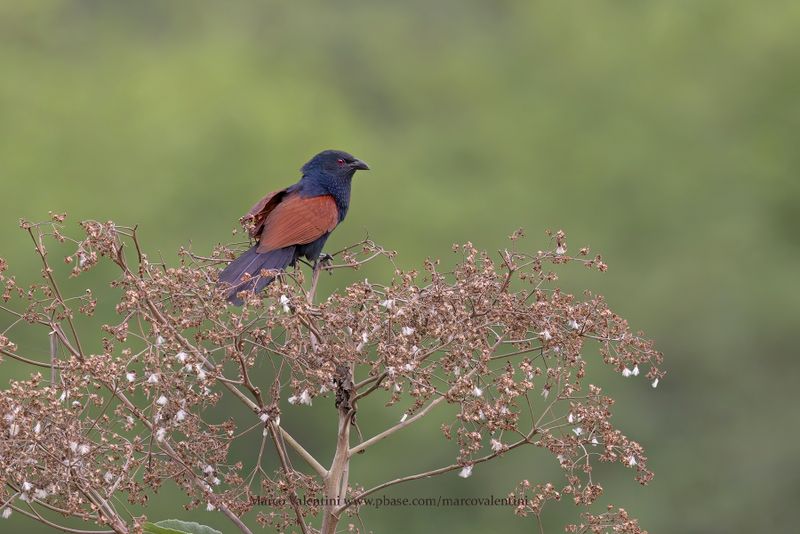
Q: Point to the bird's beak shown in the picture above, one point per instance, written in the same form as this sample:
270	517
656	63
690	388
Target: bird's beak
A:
359	165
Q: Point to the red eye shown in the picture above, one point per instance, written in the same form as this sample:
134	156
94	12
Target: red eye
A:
340	162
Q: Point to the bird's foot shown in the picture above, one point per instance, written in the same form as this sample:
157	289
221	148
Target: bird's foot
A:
324	261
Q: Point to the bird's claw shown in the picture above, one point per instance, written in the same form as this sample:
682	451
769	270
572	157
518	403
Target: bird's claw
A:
323	262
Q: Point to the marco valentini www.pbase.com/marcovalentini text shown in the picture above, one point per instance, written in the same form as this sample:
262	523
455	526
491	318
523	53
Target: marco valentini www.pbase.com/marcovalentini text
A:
383	501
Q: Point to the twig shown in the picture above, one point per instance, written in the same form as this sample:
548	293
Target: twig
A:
49	274
399	426
372	388
434	472
28	361
304	454
422	413
62	528
53	357
287	470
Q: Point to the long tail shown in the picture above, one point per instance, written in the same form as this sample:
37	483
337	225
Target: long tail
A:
252	263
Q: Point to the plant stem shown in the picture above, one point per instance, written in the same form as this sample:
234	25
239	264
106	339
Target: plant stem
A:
337	478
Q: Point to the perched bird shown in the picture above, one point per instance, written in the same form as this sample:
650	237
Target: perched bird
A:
294	222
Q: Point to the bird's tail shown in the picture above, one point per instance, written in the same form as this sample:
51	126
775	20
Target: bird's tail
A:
252	263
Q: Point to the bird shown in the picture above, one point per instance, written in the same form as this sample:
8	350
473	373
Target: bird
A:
293	222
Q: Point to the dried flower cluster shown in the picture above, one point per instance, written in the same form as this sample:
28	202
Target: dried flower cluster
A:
95	428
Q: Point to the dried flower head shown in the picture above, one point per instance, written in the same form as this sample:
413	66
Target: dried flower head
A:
494	338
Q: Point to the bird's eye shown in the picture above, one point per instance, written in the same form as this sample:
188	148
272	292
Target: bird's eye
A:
341	162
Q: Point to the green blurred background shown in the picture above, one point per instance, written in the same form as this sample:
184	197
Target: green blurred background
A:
661	133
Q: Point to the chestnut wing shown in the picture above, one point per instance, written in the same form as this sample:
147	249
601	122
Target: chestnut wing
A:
297	220
261	210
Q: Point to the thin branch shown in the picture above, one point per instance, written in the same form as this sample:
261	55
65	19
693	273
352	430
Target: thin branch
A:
62	528
372	388
422	413
434	472
367	380
315	272
53	357
515	353
304	454
287	470
49	274
399	426
28	361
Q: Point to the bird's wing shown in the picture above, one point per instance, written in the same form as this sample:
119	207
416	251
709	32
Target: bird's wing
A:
297	220
261	210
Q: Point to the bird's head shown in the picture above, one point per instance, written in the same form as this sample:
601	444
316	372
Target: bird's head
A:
334	163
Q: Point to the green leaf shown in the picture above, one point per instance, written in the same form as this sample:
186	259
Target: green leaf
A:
152	528
175	526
